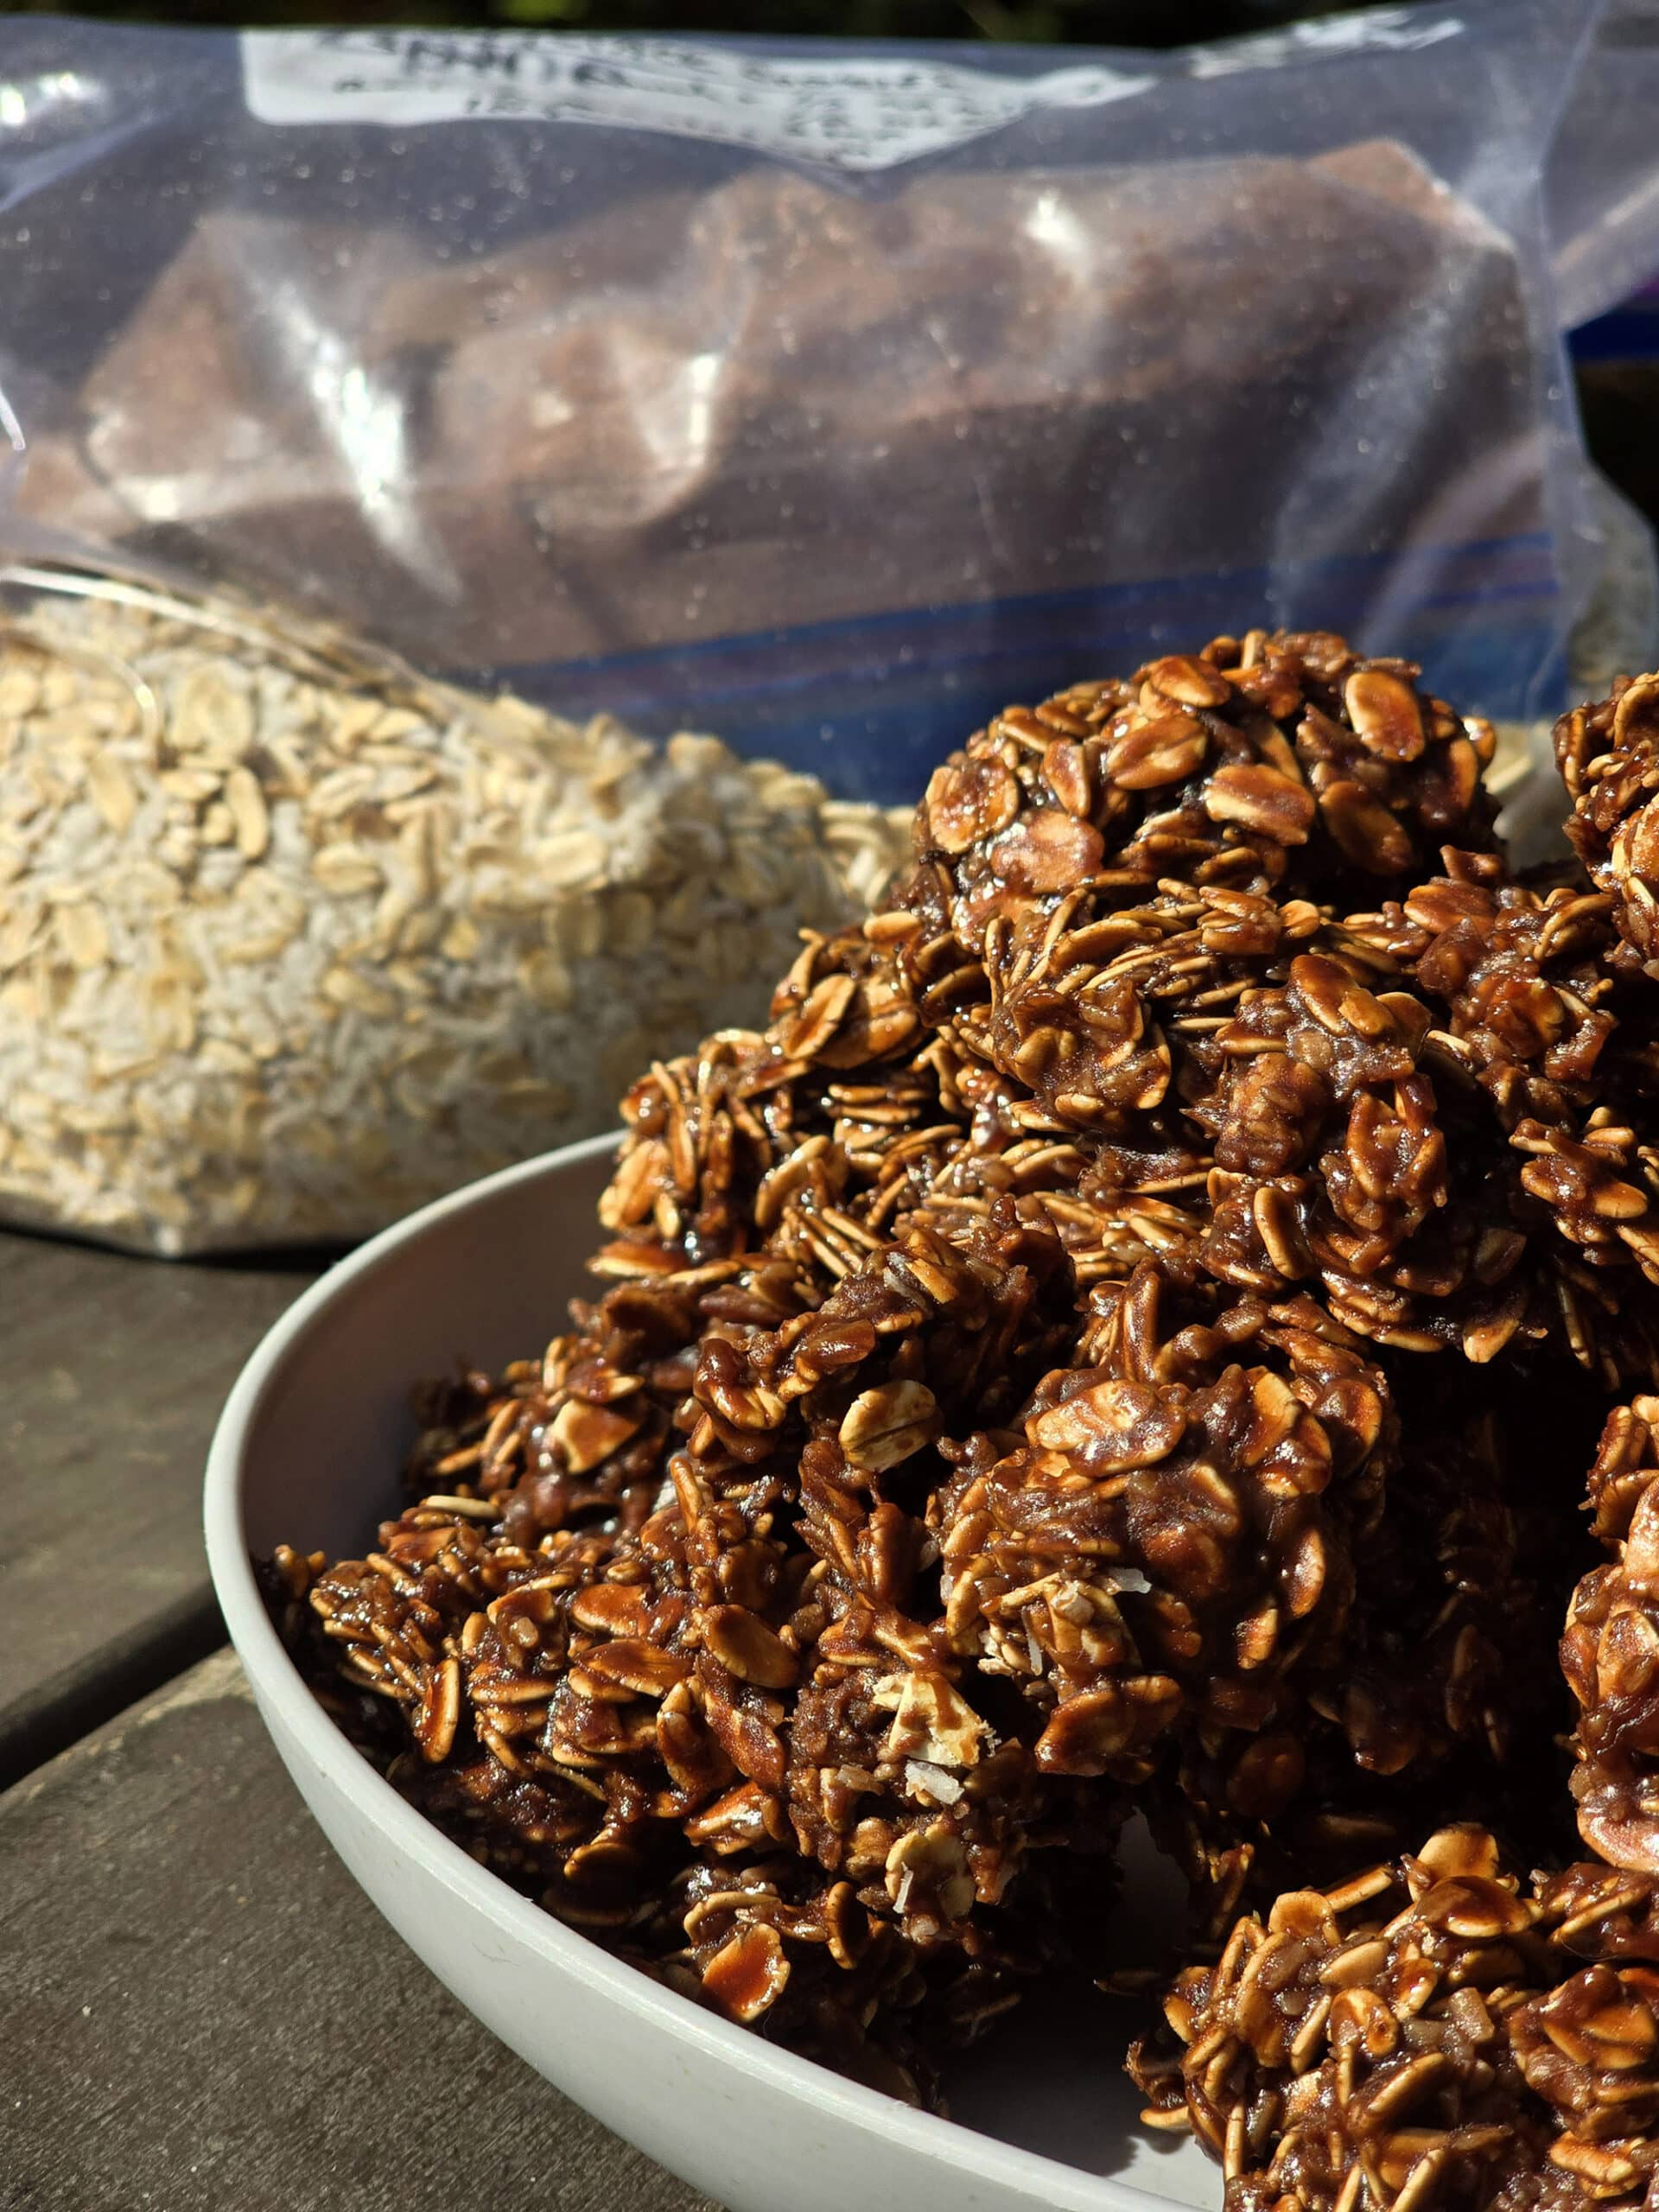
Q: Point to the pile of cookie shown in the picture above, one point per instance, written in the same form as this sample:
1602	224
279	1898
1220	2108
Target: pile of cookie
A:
1122	1340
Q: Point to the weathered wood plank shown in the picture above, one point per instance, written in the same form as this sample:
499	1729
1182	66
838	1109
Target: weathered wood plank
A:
112	1371
200	2012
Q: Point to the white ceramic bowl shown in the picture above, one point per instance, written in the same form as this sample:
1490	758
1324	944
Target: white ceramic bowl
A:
307	1453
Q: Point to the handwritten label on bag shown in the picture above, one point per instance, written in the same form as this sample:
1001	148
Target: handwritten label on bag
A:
861	113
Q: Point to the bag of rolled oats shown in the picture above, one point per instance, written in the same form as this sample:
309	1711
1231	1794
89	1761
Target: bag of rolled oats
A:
829	396
294	939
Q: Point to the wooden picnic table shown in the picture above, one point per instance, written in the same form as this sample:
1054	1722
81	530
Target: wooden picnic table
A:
199	2010
112	1371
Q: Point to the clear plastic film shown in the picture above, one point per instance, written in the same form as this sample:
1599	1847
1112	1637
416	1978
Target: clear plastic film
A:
831	395
1602	181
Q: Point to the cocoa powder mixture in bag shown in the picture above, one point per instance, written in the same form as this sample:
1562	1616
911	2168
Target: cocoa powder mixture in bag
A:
616	433
846	392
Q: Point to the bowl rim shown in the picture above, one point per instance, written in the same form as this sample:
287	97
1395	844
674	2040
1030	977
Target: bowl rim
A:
767	2067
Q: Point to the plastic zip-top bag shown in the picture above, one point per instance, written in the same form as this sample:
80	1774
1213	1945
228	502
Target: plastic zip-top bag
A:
834	394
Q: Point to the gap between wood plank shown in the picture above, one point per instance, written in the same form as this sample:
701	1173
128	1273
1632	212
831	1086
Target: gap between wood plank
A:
106	1683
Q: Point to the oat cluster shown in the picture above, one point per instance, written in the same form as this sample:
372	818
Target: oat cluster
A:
1432	2031
1109	1346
